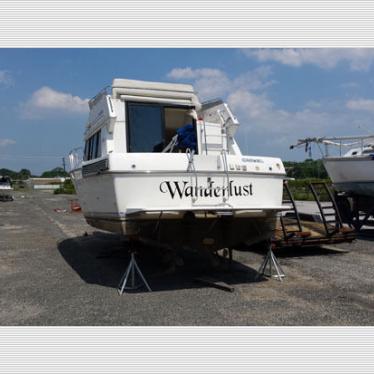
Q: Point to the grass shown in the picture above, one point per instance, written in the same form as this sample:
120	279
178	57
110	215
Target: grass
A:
67	188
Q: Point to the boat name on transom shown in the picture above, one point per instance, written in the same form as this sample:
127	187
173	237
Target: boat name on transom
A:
186	189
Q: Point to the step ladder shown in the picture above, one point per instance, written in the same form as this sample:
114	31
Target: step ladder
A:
328	209
291	219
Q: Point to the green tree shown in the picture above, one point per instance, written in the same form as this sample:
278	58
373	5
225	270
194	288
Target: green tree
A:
22	174
54	173
306	169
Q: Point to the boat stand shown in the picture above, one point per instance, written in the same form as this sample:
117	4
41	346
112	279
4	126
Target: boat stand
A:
271	263
130	277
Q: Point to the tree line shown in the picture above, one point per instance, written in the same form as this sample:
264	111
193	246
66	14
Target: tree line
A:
24	174
308	169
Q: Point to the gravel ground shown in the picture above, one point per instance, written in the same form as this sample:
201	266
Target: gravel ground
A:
57	270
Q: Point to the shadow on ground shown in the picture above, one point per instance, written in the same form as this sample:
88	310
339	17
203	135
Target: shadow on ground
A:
366	234
102	259
295	252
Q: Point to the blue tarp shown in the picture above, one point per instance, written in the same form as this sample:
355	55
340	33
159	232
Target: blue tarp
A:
187	137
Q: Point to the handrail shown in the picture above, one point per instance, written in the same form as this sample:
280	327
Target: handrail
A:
338	142
191	167
75	159
224	132
206	144
226	170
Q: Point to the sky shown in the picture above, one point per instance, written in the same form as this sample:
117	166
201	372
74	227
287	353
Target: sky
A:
278	95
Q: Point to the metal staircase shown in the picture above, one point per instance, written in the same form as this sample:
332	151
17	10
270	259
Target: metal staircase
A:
291	218
328	208
304	229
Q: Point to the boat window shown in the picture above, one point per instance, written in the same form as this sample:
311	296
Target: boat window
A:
85	152
92	148
89	147
145	129
151	127
98	144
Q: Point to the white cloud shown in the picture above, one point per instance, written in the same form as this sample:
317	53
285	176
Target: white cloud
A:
350	85
211	83
313	104
361	104
5	78
359	59
46	101
189	73
255	80
5	142
246	102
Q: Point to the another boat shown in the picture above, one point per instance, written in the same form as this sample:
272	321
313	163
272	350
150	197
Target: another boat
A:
162	166
351	170
351	166
5	189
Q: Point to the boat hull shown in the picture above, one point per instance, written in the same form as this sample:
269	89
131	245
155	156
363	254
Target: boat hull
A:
353	175
183	209
194	232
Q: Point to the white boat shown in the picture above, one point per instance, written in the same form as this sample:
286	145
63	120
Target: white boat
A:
160	165
5	189
5	184
351	169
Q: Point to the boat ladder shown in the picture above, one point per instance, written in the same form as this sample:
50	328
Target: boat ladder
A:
191	168
328	208
226	171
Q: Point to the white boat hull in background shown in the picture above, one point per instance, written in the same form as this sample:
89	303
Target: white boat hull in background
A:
354	175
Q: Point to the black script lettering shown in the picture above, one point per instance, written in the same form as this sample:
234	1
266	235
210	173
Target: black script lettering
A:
176	189
189	191
238	190
246	190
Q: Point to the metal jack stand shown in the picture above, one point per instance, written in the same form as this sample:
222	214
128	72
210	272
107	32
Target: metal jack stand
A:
130	275
270	263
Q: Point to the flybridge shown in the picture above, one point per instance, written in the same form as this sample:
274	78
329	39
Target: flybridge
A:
150	115
133	90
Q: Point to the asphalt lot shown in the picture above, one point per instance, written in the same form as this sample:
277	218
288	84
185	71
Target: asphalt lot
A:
52	273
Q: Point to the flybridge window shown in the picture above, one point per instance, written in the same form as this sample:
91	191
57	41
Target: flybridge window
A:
92	148
151	127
